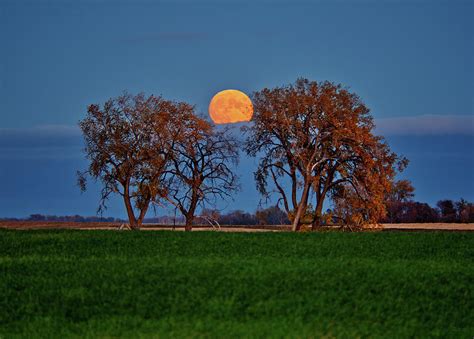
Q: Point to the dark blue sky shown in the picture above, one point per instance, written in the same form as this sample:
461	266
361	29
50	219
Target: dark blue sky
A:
410	61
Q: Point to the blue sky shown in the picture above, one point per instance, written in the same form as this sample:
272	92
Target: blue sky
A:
410	61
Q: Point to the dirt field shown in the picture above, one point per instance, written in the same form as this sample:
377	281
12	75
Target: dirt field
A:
430	226
24	225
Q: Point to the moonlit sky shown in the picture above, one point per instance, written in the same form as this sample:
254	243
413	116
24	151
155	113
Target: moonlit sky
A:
410	61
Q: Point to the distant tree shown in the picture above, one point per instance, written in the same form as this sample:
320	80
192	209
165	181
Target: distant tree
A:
129	142
37	217
237	217
316	137
272	216
209	216
465	211
417	212
211	213
201	168
447	210
401	192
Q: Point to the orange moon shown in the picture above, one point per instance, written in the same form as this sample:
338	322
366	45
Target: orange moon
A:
230	106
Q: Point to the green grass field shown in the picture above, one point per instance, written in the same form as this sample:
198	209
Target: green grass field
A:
211	284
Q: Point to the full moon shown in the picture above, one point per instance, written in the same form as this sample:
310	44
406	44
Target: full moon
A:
230	106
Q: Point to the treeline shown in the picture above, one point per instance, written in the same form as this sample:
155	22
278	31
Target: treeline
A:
268	216
64	218
401	208
448	211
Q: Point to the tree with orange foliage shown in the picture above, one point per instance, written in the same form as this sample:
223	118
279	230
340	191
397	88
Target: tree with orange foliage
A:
129	143
316	138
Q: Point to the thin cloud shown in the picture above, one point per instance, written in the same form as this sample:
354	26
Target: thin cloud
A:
426	125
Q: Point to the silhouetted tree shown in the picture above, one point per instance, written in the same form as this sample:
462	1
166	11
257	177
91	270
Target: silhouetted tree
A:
465	211
401	192
319	137
272	216
447	210
417	212
237	217
129	143
37	217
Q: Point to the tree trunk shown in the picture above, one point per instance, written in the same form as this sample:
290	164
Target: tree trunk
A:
317	215
131	215
189	223
301	209
189	215
142	215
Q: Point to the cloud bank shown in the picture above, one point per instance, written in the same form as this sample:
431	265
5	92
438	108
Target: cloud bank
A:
41	142
69	136
40	136
426	125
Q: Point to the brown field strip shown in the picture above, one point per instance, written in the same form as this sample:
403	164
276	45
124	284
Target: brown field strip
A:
28	225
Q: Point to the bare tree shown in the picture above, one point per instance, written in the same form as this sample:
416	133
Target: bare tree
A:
202	170
317	136
129	143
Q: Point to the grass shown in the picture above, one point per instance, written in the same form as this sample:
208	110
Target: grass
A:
211	284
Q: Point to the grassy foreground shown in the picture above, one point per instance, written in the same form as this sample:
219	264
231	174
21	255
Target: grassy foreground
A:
176	284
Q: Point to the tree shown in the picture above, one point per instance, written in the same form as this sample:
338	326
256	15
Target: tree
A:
37	217
271	216
202	168
401	190
316	137
400	193
465	211
129	143
237	217
348	209
417	212
447	210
